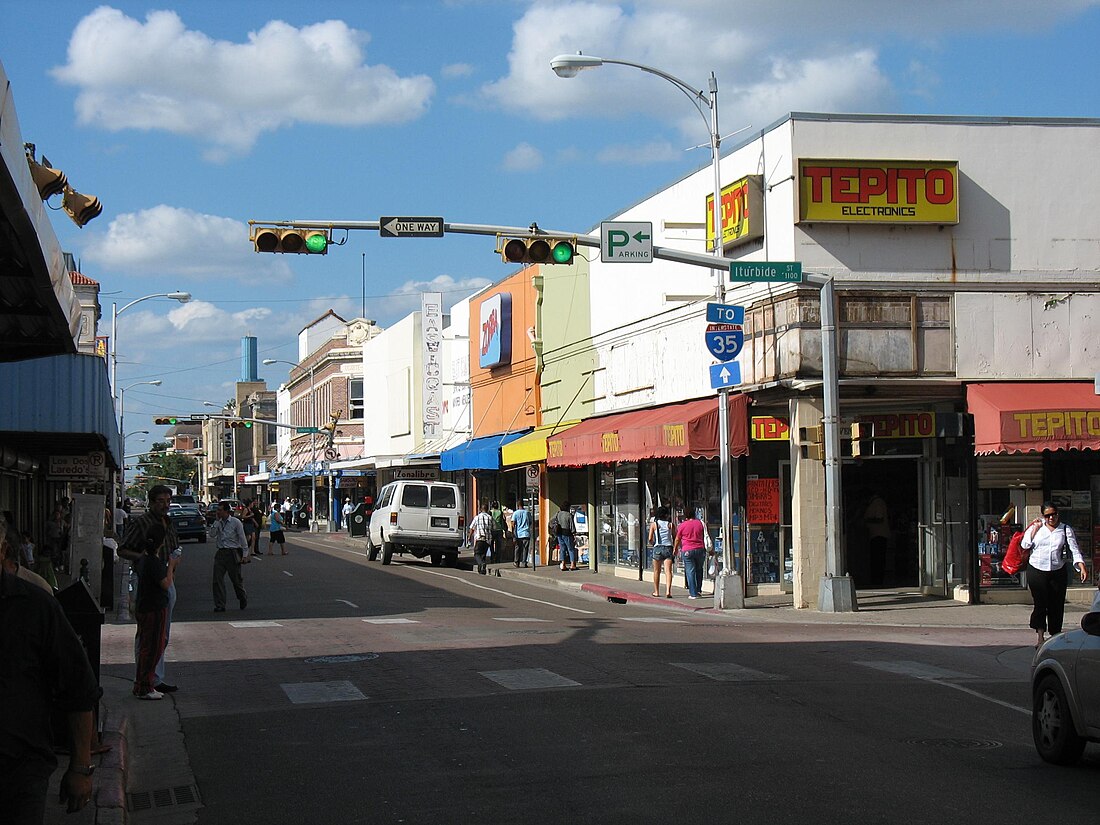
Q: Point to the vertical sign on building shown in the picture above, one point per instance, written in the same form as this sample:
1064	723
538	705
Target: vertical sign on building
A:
431	342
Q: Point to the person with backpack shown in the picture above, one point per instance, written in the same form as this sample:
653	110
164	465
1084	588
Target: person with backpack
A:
662	534
564	530
1051	544
499	528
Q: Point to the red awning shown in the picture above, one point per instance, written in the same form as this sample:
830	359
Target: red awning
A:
670	431
1026	418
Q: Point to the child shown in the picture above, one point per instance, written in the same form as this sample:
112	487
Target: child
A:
154	579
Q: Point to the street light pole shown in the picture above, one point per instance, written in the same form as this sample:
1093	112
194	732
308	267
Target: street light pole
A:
182	297
729	587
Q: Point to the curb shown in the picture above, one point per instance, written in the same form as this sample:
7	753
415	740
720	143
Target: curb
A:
623	596
110	796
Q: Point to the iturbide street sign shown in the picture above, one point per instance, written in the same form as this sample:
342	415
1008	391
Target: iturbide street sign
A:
724	341
766	271
725	375
410	227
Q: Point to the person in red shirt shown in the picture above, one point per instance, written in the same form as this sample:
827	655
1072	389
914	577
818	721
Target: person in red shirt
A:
691	544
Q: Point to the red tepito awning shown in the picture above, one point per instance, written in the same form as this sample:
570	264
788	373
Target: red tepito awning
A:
1032	417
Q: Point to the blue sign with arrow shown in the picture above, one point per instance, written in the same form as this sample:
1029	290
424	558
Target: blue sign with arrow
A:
725	375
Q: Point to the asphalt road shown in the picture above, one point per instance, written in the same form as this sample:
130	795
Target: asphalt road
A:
349	692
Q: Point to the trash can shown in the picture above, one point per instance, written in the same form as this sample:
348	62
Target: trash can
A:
302	519
357	520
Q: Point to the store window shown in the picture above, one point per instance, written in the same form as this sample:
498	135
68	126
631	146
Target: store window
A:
355	399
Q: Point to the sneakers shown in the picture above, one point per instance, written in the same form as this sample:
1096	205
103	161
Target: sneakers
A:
153	694
165	688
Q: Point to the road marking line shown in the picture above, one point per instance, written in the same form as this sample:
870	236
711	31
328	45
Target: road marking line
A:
517	619
652	620
530	678
729	672
313	692
391	621
511	595
939	676
288	573
1025	711
349	604
254	624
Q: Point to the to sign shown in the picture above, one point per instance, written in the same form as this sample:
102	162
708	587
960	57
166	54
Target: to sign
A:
724	341
626	243
725	314
766	271
410	227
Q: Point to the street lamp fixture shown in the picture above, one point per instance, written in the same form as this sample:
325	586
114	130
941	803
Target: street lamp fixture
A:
182	297
729	588
313	444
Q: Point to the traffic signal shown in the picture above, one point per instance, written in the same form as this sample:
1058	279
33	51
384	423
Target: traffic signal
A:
81	208
49	181
293	239
862	434
237	423
170	420
537	250
811	442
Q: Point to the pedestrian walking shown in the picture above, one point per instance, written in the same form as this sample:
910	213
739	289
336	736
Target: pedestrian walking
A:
252	520
481	535
521	529
1051	543
154	523
231	553
564	529
690	543
346	511
275	531
154	579
45	675
661	537
496	513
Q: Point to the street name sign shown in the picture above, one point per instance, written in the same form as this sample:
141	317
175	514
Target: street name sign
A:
724	341
790	272
723	376
410	227
725	314
626	243
307	429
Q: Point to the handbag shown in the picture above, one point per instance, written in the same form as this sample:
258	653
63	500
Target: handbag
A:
1016	557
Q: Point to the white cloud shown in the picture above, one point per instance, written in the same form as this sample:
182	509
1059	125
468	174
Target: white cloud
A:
167	240
458	70
159	75
658	151
522	158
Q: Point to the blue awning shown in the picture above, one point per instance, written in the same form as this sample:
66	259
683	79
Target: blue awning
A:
478	453
59	405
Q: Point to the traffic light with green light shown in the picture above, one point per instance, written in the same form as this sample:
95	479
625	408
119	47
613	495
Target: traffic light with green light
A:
537	250
169	420
236	424
294	239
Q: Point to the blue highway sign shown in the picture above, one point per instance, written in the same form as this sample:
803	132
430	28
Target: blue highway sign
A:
725	314
725	375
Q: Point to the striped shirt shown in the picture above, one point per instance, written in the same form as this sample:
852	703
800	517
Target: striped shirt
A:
482	527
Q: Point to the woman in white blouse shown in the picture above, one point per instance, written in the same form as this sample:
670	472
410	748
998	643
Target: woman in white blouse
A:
1051	544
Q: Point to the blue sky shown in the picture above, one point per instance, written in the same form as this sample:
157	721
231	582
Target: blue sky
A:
189	119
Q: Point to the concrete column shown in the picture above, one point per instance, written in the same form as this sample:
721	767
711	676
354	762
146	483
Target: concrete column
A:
808	507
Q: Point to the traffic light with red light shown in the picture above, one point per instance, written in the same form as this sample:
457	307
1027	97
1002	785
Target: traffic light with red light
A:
537	250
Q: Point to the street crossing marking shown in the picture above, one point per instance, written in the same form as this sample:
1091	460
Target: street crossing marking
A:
302	693
349	604
510	595
288	573
391	621
532	678
517	619
918	670
729	672
254	624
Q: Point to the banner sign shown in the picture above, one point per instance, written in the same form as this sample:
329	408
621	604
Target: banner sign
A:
495	347
878	191
431	348
762	506
742	212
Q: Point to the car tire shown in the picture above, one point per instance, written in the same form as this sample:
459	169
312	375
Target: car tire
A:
202	539
437	559
1056	739
387	552
372	549
450	560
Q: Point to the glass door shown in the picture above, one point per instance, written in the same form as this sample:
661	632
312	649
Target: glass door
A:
943	524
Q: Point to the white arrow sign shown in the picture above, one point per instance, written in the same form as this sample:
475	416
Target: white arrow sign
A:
410	227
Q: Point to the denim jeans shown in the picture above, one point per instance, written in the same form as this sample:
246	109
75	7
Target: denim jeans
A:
566	552
694	563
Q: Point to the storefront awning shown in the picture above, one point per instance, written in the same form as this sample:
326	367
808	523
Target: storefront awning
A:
60	405
478	453
1032	417
670	431
531	448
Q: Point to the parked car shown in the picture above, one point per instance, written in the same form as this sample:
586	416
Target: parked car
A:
424	518
1065	689
235	508
189	522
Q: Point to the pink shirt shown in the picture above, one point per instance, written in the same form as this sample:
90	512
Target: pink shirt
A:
690	533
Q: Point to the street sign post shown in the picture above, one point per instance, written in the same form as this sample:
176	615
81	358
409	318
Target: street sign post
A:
724	376
766	271
626	243
410	227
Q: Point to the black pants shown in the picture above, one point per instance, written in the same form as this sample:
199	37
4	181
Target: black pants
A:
479	555
1048	594
227	561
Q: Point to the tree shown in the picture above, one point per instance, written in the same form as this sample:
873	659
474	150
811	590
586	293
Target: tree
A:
161	465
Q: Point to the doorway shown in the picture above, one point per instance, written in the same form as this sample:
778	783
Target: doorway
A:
881	508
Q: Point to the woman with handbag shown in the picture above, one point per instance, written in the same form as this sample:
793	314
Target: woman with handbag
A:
690	542
1051	543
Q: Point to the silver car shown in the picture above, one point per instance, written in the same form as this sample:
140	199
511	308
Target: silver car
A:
1065	690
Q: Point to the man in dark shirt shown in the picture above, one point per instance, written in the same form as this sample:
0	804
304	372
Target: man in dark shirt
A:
42	666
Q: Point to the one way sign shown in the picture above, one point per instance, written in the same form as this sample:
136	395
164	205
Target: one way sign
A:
410	227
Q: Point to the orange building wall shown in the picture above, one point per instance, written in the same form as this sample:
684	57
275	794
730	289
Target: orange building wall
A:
506	398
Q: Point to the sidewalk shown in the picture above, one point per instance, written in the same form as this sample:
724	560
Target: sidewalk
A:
145	736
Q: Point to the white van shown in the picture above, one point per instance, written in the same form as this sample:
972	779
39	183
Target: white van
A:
424	518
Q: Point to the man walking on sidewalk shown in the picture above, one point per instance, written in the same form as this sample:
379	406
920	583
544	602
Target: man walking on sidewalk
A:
481	534
229	538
